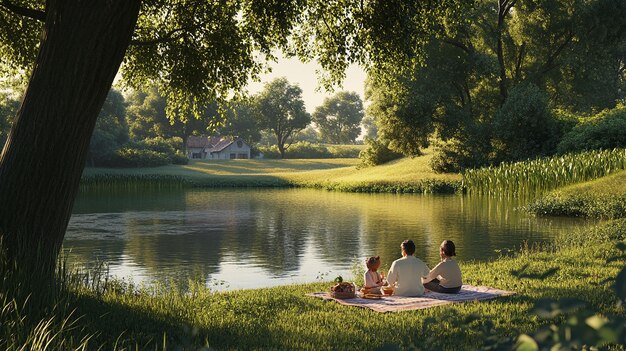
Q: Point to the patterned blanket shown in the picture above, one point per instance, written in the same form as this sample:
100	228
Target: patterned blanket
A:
429	299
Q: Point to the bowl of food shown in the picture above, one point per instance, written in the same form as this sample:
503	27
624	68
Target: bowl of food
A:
387	290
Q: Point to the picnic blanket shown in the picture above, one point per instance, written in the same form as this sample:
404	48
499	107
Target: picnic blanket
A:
429	299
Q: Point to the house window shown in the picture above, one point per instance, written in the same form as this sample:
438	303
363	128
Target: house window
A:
196	155
233	156
244	156
239	144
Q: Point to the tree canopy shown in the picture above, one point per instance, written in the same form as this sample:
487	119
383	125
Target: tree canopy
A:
281	110
561	54
339	117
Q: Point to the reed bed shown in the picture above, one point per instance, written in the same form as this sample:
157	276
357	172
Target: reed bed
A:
110	182
531	178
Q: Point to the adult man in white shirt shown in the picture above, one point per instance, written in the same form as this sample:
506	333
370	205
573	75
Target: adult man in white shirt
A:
407	272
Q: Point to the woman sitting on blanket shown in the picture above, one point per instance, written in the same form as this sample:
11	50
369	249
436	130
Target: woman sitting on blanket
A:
446	276
372	278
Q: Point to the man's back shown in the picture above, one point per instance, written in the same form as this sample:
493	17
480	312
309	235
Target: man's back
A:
407	273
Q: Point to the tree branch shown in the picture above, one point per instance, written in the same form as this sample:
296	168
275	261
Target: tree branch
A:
550	62
520	57
24	11
458	44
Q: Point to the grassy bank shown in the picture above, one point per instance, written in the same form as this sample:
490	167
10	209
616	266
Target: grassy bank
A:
601	198
406	175
121	316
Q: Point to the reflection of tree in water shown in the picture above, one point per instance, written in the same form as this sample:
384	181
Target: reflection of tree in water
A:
183	246
125	200
194	233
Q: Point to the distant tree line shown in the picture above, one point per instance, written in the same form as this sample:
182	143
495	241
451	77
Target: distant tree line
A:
135	130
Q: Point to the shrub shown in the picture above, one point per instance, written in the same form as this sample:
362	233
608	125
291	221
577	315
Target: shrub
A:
304	149
524	127
606	130
344	151
130	157
179	158
307	150
376	153
453	156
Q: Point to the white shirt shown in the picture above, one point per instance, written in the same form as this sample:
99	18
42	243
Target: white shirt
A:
407	273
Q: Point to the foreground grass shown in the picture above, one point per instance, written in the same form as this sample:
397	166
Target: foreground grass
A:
121	316
601	198
405	175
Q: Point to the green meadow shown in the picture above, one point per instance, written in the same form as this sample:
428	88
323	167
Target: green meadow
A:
404	175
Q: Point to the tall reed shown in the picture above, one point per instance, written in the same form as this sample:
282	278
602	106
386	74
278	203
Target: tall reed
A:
108	182
530	178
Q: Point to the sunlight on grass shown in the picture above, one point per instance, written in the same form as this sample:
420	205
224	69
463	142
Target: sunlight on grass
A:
600	198
404	175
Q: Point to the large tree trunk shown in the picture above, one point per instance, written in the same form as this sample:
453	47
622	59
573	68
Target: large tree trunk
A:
82	47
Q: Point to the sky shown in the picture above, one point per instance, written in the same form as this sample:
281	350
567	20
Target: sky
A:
303	74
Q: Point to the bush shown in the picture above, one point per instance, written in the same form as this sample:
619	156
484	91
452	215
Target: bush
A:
524	127
147	153
344	151
606	130
376	153
129	157
304	149
453	157
179	159
307	150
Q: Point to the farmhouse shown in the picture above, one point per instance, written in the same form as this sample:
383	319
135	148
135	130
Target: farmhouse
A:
217	148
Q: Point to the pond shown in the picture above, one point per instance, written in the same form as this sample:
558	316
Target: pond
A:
249	238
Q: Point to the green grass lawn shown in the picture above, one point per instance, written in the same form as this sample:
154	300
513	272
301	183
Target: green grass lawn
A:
600	198
120	316
404	175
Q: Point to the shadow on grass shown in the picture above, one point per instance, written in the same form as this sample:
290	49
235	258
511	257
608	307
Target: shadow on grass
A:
119	327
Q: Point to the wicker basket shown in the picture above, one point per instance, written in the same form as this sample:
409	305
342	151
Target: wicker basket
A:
342	295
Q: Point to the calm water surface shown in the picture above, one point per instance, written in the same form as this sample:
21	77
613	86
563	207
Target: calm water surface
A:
258	238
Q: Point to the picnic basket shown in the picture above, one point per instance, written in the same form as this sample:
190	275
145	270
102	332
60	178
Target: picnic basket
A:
343	290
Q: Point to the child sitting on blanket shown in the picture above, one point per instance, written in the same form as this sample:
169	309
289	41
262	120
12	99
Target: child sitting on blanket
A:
373	279
446	276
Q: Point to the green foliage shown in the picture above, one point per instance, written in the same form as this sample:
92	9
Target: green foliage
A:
110	132
281	110
148	153
530	178
339	117
8	109
131	157
307	150
376	153
453	156
308	134
495	105
241	121
147	118
606	130
523	127
369	124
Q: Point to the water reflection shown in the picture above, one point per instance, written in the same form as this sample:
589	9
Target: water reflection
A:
254	238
